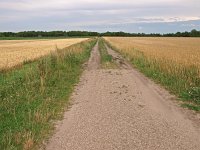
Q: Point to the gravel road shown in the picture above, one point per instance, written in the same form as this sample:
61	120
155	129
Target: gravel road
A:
120	109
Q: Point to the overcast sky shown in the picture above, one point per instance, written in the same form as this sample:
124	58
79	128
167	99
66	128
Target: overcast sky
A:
147	16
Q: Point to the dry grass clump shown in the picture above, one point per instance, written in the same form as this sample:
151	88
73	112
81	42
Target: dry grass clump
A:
15	52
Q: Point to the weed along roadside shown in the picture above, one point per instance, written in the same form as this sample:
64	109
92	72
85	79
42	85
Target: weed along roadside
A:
37	93
106	59
164	64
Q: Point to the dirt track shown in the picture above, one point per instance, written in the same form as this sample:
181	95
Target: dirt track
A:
123	110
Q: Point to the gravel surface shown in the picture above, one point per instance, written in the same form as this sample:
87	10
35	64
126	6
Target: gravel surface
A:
120	109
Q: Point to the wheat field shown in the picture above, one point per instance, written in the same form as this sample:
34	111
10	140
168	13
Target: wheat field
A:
174	62
174	55
183	51
15	52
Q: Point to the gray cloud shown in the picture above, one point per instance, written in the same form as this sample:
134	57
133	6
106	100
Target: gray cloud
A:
16	15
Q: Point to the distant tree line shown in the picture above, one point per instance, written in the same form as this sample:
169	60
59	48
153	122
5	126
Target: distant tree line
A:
48	34
193	33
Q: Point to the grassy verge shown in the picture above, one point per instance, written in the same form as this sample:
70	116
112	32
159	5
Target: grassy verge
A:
34	95
106	59
181	81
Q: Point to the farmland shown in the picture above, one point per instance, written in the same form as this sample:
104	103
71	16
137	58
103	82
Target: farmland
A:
108	87
37	93
15	52
173	62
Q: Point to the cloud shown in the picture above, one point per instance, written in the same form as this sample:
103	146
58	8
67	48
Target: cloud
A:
80	14
28	5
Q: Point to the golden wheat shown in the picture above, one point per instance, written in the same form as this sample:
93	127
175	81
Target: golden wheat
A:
179	51
174	62
14	52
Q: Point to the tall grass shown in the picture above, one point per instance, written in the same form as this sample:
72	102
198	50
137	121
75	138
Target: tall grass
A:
34	95
181	79
106	59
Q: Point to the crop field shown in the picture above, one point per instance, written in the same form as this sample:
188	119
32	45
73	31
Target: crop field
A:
183	51
173	62
15	52
37	93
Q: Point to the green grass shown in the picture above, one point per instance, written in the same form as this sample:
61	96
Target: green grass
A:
37	93
191	106
106	59
185	85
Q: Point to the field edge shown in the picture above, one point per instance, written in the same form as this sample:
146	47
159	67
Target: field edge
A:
142	64
36	94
